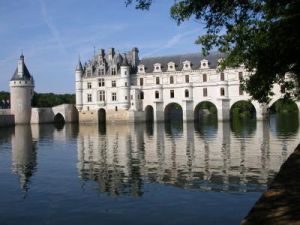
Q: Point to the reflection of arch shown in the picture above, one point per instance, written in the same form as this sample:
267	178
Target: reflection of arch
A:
173	111
205	108
58	118
149	113
243	109
102	116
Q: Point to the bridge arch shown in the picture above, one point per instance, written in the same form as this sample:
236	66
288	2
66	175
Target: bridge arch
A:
173	111
59	119
243	109
282	105
102	116
149	113
205	108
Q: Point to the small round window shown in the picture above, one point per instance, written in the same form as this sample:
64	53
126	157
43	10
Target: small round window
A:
157	68
141	69
186	65
203	64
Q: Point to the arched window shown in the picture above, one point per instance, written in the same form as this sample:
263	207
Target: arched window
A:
171	80
156	94
186	93
142	95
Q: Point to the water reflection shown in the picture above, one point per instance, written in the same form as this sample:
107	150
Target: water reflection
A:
210	157
23	155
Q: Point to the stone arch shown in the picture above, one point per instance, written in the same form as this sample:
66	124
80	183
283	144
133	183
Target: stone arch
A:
290	106
173	111
149	113
243	109
59	119
102	116
205	108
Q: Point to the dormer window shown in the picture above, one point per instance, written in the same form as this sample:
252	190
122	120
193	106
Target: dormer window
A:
113	71
171	66
157	67
141	68
186	65
204	64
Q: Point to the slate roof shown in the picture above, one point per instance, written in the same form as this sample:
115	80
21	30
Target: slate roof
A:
26	75
79	66
194	58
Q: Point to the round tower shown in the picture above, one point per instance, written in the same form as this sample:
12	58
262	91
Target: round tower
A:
78	81
21	92
125	80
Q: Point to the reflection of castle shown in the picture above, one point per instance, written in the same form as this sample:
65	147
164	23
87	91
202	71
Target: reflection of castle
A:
127	156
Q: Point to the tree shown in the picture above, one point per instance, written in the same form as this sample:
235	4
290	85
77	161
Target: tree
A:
261	34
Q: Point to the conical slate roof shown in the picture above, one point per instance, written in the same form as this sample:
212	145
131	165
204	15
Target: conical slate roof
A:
25	75
79	66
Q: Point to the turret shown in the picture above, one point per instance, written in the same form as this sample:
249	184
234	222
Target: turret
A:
78	81
21	92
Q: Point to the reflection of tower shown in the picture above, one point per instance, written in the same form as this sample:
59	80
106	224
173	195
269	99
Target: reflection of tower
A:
21	91
23	155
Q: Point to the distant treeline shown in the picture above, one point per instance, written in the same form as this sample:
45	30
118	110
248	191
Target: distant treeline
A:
45	99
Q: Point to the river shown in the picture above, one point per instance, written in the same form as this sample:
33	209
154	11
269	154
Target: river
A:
178	173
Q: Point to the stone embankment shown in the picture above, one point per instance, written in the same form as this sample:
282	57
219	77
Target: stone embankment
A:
280	204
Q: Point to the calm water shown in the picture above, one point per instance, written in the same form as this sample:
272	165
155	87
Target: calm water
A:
140	174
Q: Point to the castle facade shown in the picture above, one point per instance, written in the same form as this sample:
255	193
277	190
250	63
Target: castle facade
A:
121	87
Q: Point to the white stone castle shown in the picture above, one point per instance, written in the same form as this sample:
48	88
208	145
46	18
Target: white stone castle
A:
115	87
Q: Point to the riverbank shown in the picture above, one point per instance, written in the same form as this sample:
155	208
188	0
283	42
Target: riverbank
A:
280	204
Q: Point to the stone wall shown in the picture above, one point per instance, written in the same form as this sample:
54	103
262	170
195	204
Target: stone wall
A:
6	118
42	115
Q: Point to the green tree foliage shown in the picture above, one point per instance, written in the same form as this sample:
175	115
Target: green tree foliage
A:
261	34
4	95
50	99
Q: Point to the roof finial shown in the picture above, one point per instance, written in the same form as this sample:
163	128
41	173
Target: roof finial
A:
22	56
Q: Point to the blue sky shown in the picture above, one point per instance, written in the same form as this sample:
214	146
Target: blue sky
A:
53	33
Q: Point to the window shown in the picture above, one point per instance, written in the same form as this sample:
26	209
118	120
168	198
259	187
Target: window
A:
204	92
113	71
126	97
222	91
125	72
157	80
186	93
171	80
101	96
222	77
113	83
171	93
89	73
89	97
141	81
114	96
187	79
116	108
142	95
156	94
101	71
126	84
241	91
131	97
240	75
101	82
204	77
89	85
